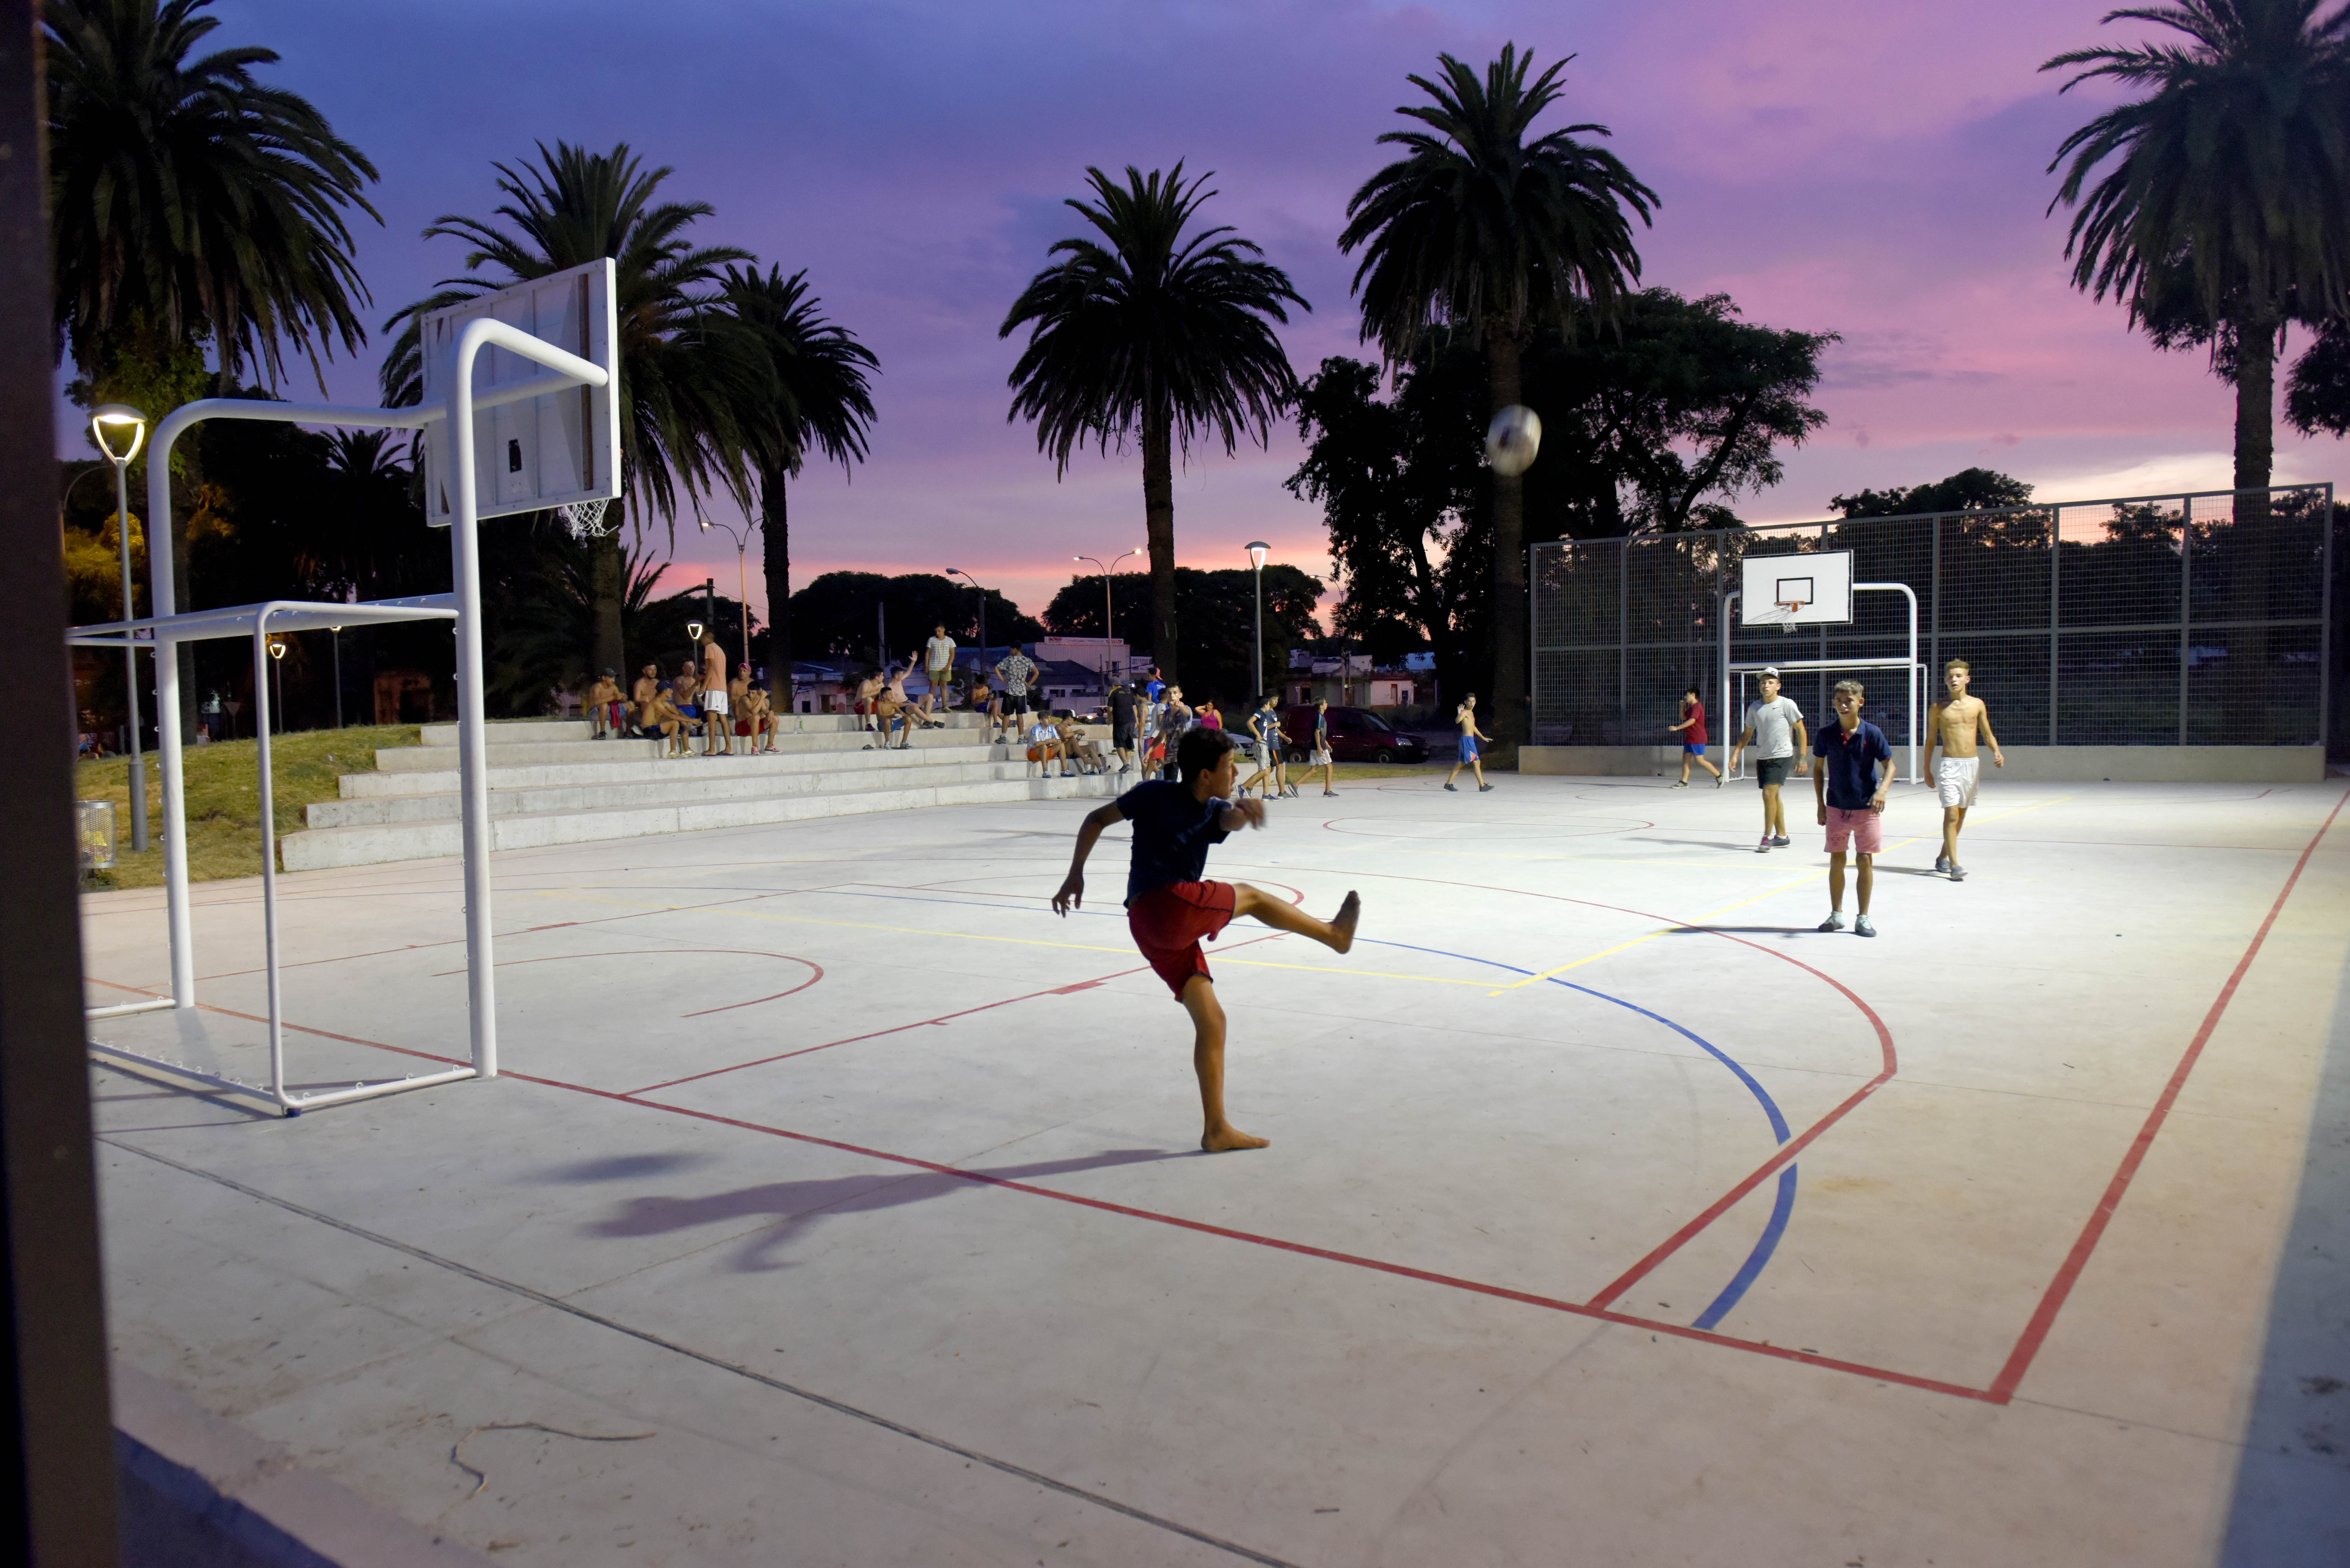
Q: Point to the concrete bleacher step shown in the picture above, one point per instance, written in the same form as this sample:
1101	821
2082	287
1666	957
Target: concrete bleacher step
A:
551	783
373	844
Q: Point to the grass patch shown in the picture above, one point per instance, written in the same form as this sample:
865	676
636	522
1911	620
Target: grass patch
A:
224	797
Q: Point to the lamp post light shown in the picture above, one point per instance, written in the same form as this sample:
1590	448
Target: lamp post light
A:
119	419
1108	626
278	675
1257	551
742	578
966	576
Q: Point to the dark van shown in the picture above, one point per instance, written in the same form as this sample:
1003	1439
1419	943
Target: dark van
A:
1357	735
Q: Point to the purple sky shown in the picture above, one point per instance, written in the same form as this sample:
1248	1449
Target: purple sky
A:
1870	169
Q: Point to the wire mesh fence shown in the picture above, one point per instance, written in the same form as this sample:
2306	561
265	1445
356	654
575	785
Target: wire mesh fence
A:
2198	619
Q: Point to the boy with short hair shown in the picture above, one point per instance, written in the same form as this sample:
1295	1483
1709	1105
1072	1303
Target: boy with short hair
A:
1856	770
604	707
1774	728
1951	726
1466	717
1170	908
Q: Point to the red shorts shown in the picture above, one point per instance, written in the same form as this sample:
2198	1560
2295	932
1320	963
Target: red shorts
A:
1863	828
1169	922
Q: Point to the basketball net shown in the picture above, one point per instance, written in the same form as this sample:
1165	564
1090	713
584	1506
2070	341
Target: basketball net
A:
1782	614
585	519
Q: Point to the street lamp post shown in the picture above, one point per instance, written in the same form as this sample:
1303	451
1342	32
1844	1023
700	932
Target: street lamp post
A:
966	576
1108	625
336	633
119	419
743	581
278	673
1257	550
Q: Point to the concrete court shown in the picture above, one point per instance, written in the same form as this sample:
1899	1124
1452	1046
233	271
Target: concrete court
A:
854	1195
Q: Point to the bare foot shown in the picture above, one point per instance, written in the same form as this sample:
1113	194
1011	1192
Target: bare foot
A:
1344	922
1227	1138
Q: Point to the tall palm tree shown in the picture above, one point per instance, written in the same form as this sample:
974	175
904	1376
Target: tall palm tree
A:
1478	230
686	365
1156	336
189	203
2227	187
821	402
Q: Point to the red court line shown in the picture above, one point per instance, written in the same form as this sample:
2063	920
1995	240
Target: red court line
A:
901	1028
2052	1302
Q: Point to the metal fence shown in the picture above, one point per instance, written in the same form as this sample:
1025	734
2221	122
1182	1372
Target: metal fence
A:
2198	619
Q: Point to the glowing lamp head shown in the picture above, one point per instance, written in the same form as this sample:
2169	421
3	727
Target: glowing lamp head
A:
112	423
694	631
1258	550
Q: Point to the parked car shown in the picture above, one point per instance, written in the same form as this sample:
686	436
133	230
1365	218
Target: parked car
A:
1357	735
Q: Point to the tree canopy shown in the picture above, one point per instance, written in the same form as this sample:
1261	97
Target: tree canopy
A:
1969	490
1216	612
839	616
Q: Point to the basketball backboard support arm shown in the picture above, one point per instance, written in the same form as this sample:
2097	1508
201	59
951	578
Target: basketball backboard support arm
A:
568	370
1731	717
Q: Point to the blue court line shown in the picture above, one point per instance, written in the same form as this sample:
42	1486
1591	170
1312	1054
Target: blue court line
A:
1773	1230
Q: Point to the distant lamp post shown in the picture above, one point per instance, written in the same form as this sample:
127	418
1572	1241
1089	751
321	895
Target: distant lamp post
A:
966	576
336	633
1107	625
1257	551
278	674
741	578
110	423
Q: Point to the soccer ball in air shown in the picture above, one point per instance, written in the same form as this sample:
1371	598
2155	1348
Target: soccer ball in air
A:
1512	438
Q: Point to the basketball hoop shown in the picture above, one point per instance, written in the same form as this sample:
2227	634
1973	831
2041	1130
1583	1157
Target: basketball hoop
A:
585	519
1793	610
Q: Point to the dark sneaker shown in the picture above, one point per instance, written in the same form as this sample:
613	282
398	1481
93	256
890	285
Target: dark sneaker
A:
1834	922
1780	842
1861	927
1482	788
1683	785
1454	791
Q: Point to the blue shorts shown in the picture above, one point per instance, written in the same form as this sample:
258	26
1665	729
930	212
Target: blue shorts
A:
1468	749
1694	748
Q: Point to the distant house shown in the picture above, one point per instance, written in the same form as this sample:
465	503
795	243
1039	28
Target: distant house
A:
822	688
1353	688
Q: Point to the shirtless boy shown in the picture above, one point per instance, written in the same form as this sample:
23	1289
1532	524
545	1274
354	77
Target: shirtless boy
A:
641	693
758	719
717	699
1170	908
1951	726
1466	717
664	718
1774	728
603	707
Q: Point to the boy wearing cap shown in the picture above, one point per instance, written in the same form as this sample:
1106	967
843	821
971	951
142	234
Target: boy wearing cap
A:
1774	728
1856	770
603	706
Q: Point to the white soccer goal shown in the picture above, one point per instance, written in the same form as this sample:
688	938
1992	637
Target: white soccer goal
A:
521	391
1808	590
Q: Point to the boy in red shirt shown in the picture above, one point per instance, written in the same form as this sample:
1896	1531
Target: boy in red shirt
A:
1692	732
1170	908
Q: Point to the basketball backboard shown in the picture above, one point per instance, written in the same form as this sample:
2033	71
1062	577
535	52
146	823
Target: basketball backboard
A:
1811	589
532	453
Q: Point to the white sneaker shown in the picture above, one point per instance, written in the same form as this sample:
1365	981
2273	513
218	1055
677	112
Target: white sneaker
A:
1941	863
1861	928
1834	922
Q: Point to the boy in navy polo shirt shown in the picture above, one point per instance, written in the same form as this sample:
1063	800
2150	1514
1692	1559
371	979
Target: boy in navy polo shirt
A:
1856	770
1170	906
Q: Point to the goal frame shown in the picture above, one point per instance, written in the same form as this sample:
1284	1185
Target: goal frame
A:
1914	672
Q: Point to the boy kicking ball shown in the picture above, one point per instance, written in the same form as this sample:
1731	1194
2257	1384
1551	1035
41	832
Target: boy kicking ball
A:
1856	770
1170	908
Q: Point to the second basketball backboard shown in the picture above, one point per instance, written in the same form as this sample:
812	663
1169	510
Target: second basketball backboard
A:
532	453
1791	590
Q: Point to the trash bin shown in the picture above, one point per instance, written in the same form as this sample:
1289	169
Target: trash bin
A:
94	826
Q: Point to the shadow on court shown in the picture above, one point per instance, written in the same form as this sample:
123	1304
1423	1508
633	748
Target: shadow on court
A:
2291	1507
800	1205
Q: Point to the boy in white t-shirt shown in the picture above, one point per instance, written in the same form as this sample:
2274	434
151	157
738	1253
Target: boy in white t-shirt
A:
1774	728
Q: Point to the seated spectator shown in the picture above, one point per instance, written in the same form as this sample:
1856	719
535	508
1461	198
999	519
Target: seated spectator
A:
1045	747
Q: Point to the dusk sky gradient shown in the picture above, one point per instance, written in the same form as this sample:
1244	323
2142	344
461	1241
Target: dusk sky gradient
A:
1875	169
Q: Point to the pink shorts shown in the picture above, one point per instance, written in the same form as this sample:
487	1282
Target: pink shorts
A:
1863	828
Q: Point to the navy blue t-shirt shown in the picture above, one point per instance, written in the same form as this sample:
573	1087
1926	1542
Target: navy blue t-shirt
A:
1852	759
1171	835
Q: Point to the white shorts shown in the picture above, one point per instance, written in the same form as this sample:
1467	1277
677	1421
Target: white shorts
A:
714	701
1321	759
1955	779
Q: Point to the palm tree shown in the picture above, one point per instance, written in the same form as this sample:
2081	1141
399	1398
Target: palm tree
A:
822	402
1478	232
1156	336
686	367
189	203
2227	190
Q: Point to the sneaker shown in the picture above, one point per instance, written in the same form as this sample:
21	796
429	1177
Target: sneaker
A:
1834	922
1957	872
1482	788
1718	781
1861	927
1764	847
1941	863
1683	785
1780	842
1450	787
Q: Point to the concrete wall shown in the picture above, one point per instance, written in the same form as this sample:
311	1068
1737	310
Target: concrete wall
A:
2118	764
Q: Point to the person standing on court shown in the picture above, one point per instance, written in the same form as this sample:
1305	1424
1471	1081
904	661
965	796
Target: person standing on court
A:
1125	713
717	718
1320	757
1466	717
937	660
1774	728
1013	673
1856	771
1951	726
1692	730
